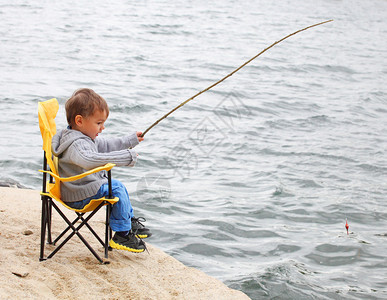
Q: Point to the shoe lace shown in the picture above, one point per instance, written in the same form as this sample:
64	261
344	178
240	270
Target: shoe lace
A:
139	220
143	243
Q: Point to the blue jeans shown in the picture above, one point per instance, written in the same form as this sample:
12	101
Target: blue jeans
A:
122	211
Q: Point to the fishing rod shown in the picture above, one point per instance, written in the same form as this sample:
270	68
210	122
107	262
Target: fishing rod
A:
230	74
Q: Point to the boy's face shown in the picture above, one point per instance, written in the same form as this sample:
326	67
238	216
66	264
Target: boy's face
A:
92	125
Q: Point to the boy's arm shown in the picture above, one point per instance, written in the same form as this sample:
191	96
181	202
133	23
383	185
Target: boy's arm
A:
88	159
118	143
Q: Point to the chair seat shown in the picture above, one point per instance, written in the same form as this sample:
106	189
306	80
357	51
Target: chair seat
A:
93	204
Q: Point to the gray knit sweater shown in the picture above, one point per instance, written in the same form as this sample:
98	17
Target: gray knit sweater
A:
78	153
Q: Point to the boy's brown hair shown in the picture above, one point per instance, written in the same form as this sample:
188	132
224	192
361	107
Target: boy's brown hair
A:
84	102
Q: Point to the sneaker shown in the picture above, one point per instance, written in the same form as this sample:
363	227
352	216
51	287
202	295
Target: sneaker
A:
130	243
139	229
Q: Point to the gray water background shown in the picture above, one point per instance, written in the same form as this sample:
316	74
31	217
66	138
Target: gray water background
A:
251	182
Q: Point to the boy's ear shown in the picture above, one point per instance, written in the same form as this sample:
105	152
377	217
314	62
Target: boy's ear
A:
78	120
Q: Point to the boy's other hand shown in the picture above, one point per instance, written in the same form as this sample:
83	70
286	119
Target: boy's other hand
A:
139	133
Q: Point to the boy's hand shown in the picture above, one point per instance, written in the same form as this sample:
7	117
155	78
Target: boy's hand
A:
139	133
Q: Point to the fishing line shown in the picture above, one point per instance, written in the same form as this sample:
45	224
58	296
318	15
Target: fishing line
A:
230	74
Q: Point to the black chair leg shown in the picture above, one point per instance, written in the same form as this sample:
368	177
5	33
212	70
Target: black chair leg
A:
67	229
49	220
43	227
108	230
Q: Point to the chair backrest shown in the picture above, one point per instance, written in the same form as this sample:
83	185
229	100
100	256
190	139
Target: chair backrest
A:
47	111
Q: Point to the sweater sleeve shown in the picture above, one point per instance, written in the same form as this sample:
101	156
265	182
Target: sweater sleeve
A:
117	143
83	155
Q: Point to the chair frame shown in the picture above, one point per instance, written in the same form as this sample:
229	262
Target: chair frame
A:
46	221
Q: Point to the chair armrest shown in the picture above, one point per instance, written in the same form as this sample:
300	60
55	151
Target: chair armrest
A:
106	167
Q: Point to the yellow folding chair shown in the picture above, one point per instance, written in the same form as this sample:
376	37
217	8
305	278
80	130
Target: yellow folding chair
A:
47	111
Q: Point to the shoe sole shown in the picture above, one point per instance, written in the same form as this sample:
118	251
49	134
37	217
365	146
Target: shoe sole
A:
143	236
114	245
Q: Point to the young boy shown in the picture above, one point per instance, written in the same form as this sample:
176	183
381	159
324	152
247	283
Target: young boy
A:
80	149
